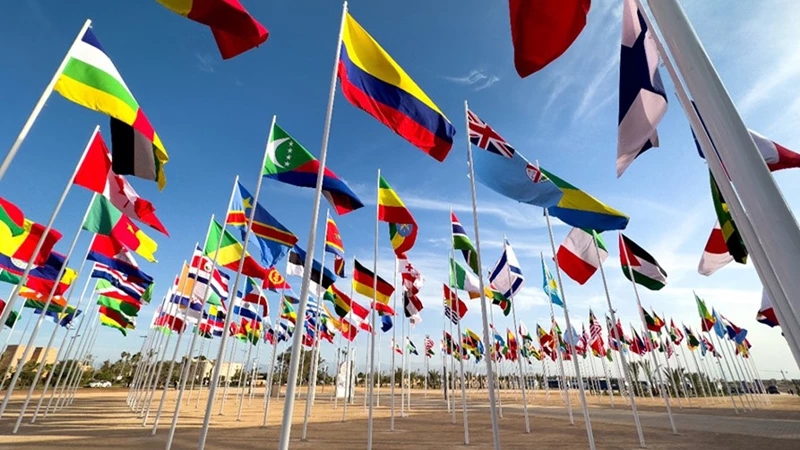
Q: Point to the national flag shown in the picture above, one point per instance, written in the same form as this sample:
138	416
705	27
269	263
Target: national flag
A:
550	286
719	327
577	256
707	320
691	340
396	347
114	319
21	245
358	317
110	252
289	162
234	29
542	30
107	220
546	340
500	300
513	349
333	240
287	311
581	210
506	171
63	318
642	98
402	226
716	254
273	238
339	267
112	298
735	333
40	278
96	175
766	313
410	347
462	242
246	310
386	323
429	344
372	81
596	335
321	277
641	265
341	302
463	280
12	221
119	280
230	252
412	306
274	281
453	303
506	276
675	333
254	295
13	316
364	282
637	345
730	232
91	80
654	323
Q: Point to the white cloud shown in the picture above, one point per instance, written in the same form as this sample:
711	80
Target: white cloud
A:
478	80
206	62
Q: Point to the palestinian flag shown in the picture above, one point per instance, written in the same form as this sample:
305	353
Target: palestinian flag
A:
462	242
578	257
642	265
230	252
730	233
402	226
289	162
107	220
364	282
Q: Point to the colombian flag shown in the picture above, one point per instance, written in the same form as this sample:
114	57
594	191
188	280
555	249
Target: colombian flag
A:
581	210
373	81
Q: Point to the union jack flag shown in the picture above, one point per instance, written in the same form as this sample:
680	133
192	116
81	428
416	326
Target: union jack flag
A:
482	135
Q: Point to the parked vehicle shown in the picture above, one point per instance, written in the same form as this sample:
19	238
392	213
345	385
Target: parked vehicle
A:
773	390
99	384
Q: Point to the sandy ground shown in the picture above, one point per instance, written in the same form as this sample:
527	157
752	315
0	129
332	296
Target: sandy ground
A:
100	419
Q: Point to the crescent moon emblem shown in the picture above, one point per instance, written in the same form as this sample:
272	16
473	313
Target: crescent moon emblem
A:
271	151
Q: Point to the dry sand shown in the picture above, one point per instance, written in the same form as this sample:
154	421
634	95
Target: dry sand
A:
100	419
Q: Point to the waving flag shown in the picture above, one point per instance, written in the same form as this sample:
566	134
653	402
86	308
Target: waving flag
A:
577	256
21	244
641	265
542	30
730	232
230	252
506	171
364	282
707	320
506	276
333	240
550	286
107	251
454	304
461	279
402	226
642	99
462	242
766	314
107	220
321	278
40	278
374	82
581	210
11	218
273	238
289	162
716	254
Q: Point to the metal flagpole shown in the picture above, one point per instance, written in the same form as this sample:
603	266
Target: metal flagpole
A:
756	189
39	106
454	354
26	353
563	384
74	368
671	381
519	357
608	381
8	338
644	324
268	390
373	313
484	314
688	369
149	364
443	352
726	386
336	371
193	367
394	339
228	375
233	291
680	373
21	338
243	378
88	359
570	330
288	407
146	346
348	371
31	262
461	365
735	373
730	371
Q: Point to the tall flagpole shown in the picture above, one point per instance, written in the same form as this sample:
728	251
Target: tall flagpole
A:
348	391
394	340
570	330
484	314
664	393
26	128
31	262
288	407
517	356
29	347
373	313
564	385
194	367
234	289
461	356
268	390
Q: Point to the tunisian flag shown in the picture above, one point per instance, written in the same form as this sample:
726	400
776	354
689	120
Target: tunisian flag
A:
542	30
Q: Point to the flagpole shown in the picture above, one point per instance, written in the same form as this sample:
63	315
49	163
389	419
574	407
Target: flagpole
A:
146	346
780	237
155	362
444	361
735	372
394	339
79	352
372	316
726	386
348	391
149	364
288	407
669	378
403	356
194	367
231	361
242	373
730	371
564	385
335	397
31	262
29	347
496	363
570	330
517	356
37	109
461	355
268	390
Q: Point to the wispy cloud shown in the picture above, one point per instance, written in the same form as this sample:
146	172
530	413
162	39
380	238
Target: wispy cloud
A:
478	80
206	62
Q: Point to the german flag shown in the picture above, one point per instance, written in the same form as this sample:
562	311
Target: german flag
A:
364	280
402	226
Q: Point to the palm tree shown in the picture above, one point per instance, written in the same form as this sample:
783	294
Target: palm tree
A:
635	372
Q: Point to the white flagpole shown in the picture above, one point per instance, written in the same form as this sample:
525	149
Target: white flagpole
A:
348	391
40	104
726	386
760	196
670	380
570	330
78	357
8	337
484	314
730	371
394	339
496	364
288	407
232	295
373	313
335	397
443	352
154	362
518	357
194	367
268	390
461	360
31	263
564	384
30	346
735	372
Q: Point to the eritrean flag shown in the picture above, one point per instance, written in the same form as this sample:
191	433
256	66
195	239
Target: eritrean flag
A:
289	162
402	226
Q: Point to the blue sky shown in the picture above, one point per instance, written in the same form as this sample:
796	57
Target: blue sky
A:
213	118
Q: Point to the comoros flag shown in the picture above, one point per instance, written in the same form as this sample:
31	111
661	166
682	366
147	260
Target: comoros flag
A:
581	254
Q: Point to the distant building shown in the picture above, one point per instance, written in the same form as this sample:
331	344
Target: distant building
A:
12	357
206	367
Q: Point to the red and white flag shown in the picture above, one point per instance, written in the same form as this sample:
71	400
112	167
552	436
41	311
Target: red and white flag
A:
715	255
578	257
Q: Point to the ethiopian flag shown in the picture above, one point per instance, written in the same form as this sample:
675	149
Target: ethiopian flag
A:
289	162
581	210
90	79
107	220
402	226
230	252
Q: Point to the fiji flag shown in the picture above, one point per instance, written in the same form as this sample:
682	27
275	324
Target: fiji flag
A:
504	170
273	238
507	276
642	99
